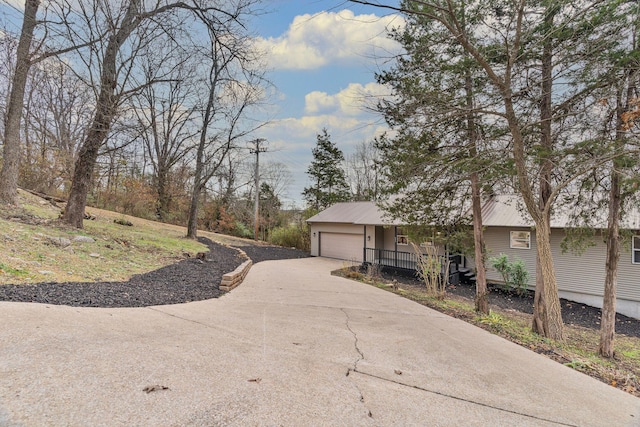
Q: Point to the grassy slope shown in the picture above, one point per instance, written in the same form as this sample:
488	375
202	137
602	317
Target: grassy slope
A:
28	256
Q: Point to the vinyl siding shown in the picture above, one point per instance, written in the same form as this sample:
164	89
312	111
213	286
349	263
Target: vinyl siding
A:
497	242
582	274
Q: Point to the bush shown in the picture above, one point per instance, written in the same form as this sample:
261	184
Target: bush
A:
290	236
241	230
514	274
431	269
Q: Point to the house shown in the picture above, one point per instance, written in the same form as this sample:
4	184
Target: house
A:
510	230
346	230
360	233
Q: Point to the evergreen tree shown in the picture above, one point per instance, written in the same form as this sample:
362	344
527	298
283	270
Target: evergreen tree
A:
330	183
443	151
533	56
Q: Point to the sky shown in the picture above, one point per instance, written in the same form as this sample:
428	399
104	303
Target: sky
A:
323	55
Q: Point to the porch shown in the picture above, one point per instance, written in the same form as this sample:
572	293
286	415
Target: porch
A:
407	262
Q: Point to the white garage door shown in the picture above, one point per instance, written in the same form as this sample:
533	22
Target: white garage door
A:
342	246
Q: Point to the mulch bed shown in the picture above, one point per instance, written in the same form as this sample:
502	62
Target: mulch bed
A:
188	280
573	313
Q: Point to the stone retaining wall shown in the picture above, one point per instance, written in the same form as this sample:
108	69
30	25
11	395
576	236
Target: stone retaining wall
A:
233	279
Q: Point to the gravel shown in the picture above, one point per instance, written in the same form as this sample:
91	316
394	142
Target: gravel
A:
188	280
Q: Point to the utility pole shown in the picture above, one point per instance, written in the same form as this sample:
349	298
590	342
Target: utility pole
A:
257	149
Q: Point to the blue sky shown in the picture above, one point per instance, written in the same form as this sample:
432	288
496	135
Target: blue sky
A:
323	56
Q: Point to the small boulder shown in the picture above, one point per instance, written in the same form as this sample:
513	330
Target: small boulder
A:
83	239
62	242
94	255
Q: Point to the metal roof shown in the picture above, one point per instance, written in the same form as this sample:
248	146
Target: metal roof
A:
360	213
509	211
498	211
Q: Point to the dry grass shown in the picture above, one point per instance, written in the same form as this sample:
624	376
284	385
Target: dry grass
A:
29	256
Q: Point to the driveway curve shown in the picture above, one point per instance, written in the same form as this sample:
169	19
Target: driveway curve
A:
292	345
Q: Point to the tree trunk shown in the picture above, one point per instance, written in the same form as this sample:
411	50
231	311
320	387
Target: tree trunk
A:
105	112
547	318
547	314
12	146
192	224
164	199
606	347
608	325
482	304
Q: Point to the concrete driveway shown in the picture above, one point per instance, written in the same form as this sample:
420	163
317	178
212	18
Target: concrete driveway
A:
291	346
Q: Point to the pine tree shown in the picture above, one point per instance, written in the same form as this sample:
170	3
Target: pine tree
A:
330	183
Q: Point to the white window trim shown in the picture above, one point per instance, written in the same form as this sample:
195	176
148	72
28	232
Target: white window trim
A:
528	240
634	249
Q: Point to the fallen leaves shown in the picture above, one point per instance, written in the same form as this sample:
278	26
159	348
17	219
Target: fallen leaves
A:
150	388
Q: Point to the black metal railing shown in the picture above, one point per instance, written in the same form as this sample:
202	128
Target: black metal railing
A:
408	261
387	258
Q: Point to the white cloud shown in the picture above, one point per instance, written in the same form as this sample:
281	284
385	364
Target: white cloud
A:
313	41
352	101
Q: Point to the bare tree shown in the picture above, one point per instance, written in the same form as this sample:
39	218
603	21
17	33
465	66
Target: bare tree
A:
167	127
13	118
362	172
234	83
57	112
26	56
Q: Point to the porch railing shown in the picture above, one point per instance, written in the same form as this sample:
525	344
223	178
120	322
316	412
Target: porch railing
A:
407	261
387	258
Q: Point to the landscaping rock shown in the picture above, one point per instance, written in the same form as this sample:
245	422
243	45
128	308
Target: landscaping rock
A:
62	242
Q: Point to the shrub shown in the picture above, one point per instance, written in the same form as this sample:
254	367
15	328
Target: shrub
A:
241	230
514	274
290	236
430	267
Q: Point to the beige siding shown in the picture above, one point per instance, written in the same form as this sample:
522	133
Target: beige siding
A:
628	276
497	241
580	274
389	238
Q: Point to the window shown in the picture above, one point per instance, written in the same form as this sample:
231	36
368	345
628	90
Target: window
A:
635	252
402	239
522	240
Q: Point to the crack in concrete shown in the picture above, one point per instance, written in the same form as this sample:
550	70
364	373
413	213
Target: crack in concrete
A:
462	399
355	362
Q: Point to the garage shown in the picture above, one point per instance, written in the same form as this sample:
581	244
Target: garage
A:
342	246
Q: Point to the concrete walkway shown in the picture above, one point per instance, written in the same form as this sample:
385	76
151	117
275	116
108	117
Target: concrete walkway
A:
291	346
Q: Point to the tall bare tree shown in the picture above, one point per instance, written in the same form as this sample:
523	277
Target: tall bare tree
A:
234	82
26	56
362	172
13	118
166	115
